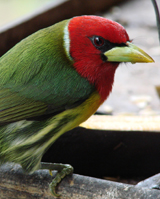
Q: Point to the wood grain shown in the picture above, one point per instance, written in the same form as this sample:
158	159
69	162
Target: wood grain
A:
15	184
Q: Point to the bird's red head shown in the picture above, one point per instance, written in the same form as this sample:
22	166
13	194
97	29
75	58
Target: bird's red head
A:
90	37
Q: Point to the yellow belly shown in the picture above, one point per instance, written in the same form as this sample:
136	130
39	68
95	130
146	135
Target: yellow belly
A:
72	117
81	112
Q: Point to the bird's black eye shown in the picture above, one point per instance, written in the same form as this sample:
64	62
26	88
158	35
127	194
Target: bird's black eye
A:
98	41
104	45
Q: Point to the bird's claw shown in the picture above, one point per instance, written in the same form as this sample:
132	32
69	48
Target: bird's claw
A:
63	170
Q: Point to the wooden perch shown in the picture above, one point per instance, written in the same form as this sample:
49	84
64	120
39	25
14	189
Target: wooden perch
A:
151	183
15	184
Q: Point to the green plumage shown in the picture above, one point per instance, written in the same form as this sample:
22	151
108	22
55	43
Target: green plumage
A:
25	142
37	78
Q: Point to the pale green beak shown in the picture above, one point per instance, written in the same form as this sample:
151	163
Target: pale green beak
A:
129	53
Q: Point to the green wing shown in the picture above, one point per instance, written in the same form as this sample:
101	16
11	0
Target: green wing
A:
37	78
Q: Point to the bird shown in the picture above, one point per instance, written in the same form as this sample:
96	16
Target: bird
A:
55	79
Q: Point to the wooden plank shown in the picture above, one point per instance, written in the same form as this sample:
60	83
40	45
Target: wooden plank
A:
151	183
46	16
15	184
123	123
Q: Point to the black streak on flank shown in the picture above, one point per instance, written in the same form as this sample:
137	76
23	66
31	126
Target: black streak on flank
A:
68	118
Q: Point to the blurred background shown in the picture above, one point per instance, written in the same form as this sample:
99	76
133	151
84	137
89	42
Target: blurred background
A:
134	88
11	10
134	91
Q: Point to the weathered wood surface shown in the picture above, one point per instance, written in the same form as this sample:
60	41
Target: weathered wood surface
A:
51	13
15	184
152	182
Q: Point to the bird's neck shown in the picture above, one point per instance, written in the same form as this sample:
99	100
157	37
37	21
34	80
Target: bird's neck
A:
101	75
105	81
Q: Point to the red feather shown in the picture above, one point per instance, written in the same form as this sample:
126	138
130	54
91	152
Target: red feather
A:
87	59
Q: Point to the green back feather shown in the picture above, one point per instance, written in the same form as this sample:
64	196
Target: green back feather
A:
37	77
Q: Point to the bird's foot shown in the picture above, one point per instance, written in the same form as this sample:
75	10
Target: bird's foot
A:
63	170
